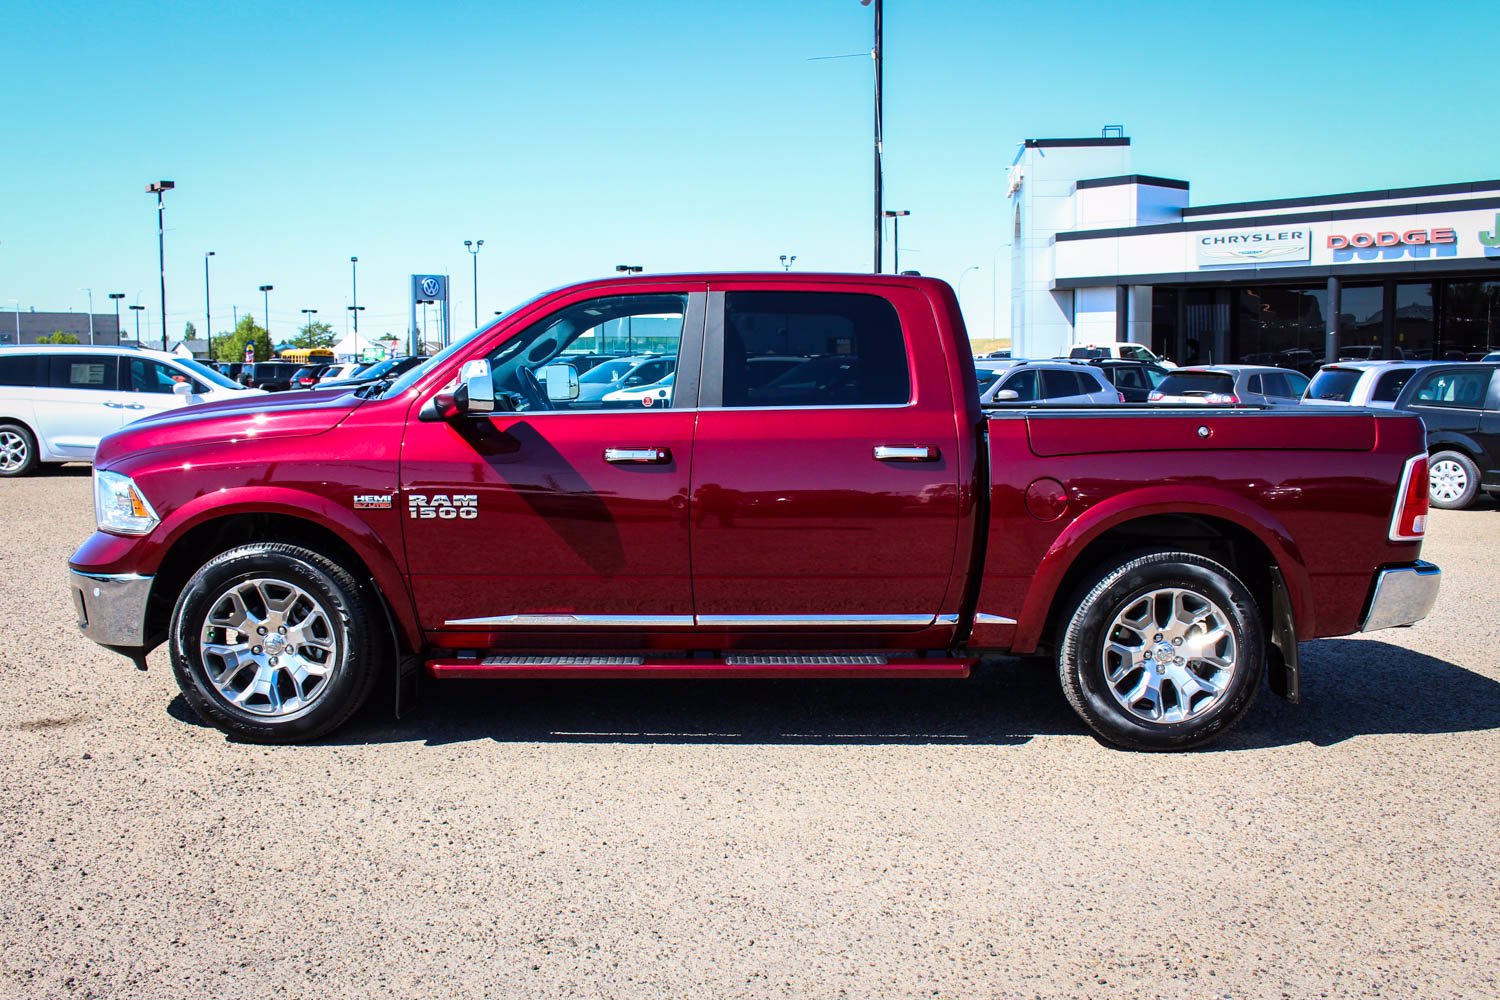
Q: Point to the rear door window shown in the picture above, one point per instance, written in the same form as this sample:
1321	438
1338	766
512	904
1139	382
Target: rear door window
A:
848	350
82	371
1458	389
1057	384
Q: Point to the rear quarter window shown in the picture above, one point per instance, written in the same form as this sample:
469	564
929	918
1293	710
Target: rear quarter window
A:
1390	384
23	370
1464	389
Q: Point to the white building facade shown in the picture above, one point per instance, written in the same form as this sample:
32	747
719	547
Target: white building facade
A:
1103	254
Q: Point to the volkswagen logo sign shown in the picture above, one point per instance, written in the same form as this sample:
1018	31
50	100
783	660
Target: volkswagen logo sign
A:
431	287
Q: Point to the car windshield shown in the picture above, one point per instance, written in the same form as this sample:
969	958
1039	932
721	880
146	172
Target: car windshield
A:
1196	383
607	372
208	374
1334	385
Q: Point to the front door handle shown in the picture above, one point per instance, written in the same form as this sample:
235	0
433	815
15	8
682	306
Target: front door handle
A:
638	456
115	406
906	453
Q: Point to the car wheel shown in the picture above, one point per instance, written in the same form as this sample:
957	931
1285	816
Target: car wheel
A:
1453	480
1164	652
17	450
275	643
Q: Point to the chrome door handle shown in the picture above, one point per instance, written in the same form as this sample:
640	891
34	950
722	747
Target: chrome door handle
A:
906	453
638	456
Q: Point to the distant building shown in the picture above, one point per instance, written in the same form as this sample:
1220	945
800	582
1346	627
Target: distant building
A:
40	324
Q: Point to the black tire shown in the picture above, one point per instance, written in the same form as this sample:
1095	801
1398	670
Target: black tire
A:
18	453
350	624
1085	666
1455	475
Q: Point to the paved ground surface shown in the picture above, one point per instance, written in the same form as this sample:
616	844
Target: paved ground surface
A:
860	839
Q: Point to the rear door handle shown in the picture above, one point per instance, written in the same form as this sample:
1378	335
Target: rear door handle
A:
115	406
638	456
906	453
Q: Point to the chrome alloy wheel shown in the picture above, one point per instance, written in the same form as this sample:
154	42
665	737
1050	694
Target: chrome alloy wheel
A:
269	647
1447	480
1169	656
14	451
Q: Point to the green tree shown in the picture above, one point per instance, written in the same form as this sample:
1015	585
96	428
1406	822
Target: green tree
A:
315	333
57	337
231	346
190	332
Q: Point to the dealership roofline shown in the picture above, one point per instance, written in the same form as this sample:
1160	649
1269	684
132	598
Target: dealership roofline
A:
1240	274
1144	179
1463	187
1255	221
1091	141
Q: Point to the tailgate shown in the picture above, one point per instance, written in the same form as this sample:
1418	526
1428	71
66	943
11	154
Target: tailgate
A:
1121	430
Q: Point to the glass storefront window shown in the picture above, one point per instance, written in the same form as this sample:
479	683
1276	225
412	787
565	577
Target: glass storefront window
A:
1362	322
1471	320
1415	322
1282	327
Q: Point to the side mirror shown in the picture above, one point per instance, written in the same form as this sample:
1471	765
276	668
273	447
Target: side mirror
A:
561	382
476	389
183	391
1007	396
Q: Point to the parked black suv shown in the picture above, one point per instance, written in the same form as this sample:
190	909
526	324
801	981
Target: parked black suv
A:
1460	404
272	376
1133	379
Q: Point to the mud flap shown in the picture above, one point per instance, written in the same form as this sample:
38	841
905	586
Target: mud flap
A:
408	673
1285	668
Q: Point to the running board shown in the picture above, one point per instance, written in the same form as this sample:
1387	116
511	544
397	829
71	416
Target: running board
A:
740	665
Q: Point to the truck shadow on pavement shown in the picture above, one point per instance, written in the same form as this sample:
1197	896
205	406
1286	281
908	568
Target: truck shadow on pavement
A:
1350	688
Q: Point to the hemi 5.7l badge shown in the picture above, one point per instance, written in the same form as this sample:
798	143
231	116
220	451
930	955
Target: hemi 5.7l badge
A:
372	501
443	505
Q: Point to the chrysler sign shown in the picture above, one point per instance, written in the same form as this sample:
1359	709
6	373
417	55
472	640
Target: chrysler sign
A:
1254	246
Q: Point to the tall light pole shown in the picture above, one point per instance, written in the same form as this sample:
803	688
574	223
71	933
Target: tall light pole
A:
91	312
208	308
17	304
308	315
159	188
354	280
266	290
788	261
959	294
875	54
137	309
117	296
473	247
896	218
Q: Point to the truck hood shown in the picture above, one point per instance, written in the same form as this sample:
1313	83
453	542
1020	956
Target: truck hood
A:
274	415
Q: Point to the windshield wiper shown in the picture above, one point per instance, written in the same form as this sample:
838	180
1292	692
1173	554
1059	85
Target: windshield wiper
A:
374	388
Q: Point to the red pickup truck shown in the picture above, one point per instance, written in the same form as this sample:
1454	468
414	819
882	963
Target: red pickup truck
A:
807	487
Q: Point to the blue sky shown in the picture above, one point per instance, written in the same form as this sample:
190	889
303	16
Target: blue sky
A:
679	136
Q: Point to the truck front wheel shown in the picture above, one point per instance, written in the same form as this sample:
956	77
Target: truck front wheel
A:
275	643
1164	652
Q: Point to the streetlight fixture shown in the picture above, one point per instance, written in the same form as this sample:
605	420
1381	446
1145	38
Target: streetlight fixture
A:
208	309
788	261
137	309
308	315
160	188
117	296
629	268
896	217
355	309
473	247
266	290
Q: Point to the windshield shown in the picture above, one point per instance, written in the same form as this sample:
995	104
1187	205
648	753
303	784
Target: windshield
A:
607	372
1334	385
208	374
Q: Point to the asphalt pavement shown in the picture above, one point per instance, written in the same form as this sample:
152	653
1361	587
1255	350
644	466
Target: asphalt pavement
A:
749	838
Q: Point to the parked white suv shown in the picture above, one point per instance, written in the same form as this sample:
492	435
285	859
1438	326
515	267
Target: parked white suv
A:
57	402
1361	383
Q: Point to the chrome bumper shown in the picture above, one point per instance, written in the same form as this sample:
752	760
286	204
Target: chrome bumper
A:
1402	595
111	607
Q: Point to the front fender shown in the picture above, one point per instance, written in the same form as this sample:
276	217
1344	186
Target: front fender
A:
1203	501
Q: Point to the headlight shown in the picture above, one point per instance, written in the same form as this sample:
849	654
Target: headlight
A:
120	506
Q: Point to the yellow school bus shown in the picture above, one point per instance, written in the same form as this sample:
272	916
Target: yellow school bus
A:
308	355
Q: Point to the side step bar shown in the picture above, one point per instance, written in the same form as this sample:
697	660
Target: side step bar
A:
739	665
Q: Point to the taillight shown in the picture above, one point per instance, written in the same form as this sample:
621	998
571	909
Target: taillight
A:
1221	399
1121	395
1154	397
1409	520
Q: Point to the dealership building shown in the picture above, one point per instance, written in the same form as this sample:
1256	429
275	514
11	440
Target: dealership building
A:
1103	254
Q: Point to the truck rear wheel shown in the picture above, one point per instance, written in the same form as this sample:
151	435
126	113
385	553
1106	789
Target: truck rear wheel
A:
275	643
1164	652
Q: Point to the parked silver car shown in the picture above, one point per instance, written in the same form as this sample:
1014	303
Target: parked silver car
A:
1227	385
1361	383
1054	383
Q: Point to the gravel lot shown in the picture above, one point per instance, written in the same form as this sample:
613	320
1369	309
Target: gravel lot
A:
755	839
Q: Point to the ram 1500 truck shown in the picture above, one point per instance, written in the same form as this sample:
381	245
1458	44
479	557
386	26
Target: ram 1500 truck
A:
818	493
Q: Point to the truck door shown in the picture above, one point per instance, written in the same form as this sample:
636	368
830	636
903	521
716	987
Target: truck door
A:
825	487
524	528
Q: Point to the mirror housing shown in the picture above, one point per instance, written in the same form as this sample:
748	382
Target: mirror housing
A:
561	381
1007	396
474	393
